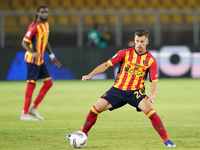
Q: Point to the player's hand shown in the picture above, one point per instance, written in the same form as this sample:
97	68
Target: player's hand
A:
86	77
56	62
36	54
152	98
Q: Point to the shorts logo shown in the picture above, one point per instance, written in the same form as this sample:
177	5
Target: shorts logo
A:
104	95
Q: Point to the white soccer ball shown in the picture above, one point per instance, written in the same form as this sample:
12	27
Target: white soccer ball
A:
78	139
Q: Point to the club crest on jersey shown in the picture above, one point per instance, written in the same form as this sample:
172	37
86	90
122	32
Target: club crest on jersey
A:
144	62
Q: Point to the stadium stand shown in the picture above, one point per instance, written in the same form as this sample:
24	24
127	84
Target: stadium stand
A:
55	4
127	19
30	5
88	19
111	19
67	4
177	18
79	4
73	19
4	5
165	19
43	2
17	5
52	20
63	20
189	18
102	4
11	24
101	19
116	4
24	20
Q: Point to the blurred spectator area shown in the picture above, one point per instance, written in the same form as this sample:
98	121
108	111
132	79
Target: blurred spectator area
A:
100	4
15	24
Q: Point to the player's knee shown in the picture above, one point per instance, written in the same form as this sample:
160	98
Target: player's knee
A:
145	105
102	105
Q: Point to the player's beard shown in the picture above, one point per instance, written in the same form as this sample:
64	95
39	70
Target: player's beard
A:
141	49
43	19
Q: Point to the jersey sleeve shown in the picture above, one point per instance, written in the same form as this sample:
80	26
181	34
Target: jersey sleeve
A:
153	72
31	31
119	56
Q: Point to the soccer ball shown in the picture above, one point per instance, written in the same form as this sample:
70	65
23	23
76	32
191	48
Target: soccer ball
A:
78	139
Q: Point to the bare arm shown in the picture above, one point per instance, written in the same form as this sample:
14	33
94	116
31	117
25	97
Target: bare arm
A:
153	89
53	59
48	48
25	45
99	69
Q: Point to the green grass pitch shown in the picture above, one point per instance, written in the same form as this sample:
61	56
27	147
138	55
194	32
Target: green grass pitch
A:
66	105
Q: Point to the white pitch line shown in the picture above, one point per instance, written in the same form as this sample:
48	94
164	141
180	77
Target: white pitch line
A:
113	127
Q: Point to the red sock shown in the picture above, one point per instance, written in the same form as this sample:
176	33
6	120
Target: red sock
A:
157	124
90	120
47	85
28	95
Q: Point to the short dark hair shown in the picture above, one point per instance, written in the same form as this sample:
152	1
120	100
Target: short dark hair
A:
38	9
42	6
142	32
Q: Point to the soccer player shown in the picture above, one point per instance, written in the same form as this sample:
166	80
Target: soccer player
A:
135	63
35	42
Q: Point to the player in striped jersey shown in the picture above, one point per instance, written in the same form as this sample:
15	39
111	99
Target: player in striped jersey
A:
35	42
135	63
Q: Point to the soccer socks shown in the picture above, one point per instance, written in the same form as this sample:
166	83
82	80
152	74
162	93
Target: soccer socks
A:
47	85
90	120
157	124
28	95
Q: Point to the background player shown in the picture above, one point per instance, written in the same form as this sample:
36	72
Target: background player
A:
135	63
35	42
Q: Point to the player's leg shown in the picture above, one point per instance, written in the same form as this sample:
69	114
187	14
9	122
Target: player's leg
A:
32	73
31	84
44	74
156	121
100	106
44	89
112	99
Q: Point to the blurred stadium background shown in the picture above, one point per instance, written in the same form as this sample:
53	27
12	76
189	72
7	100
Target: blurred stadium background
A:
173	25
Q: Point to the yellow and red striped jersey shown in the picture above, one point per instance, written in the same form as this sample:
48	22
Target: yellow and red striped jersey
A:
133	69
37	35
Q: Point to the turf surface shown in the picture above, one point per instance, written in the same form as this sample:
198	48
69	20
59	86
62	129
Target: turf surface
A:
66	105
